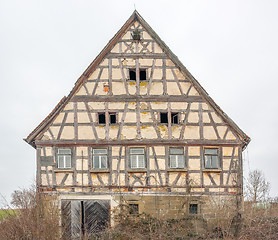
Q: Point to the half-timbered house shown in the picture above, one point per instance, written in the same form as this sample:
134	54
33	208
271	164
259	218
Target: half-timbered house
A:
137	129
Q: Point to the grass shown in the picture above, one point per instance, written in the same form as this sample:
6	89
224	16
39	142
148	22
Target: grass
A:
7	212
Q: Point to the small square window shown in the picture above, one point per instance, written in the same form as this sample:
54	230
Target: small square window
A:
113	118
175	118
64	157
100	158
211	158
163	117
133	209
101	118
193	208
136	34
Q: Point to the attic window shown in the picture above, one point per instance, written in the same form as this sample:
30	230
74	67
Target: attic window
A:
163	117
175	118
136	34
113	118
142	74
132	74
101	118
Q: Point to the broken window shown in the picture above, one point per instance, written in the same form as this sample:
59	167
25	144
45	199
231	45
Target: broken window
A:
174	118
64	157
142	74
163	117
176	158
101	118
137	158
211	158
193	208
100	158
113	118
133	209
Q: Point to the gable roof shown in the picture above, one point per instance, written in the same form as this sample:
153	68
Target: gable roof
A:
135	16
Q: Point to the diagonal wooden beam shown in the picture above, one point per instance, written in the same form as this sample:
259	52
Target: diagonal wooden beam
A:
122	121
157	166
214	125
123	76
185	120
211	179
231	165
154	120
97	81
151	78
91	120
62	126
177	81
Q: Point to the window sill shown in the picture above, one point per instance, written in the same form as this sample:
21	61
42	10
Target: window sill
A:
99	171
63	170
212	170
176	170
137	170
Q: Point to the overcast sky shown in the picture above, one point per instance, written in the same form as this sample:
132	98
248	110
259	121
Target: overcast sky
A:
230	47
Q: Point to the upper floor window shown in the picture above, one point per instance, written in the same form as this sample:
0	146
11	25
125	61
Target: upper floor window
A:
137	158
176	156
100	158
174	117
142	74
64	157
136	34
211	158
112	118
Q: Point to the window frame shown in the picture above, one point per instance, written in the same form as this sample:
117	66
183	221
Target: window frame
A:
218	158
193	210
92	158
178	116
116	117
145	160
109	120
140	69
169	157
98	113
60	154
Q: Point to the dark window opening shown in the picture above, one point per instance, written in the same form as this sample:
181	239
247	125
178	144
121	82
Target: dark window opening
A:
163	117
175	118
193	208
132	74
143	74
136	34
113	118
101	118
133	209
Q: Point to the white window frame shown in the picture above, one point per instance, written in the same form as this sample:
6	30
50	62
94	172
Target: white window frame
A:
137	157
100	156
210	157
65	160
176	155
